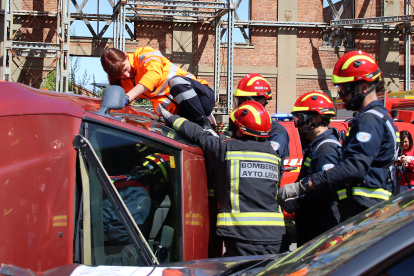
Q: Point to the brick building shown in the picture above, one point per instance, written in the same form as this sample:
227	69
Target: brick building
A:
295	59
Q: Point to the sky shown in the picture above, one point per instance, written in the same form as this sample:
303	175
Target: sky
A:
92	65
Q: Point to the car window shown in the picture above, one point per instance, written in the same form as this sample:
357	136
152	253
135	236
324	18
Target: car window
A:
146	175
402	268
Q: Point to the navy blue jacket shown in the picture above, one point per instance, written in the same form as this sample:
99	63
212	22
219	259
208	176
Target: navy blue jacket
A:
280	142
369	151
318	210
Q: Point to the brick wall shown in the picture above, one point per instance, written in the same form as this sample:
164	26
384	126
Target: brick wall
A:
263	50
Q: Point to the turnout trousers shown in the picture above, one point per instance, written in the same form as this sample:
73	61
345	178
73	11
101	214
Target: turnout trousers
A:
196	100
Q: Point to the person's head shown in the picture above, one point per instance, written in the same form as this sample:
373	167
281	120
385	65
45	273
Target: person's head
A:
251	121
154	172
356	75
253	87
116	64
406	140
312	114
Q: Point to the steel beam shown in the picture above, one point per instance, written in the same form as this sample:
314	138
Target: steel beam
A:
184	4
407	48
7	39
230	53
217	61
372	20
165	12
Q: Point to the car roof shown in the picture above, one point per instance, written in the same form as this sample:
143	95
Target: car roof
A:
20	99
343	245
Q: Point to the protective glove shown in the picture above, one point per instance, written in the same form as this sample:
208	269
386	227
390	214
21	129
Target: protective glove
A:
126	100
164	112
290	205
293	190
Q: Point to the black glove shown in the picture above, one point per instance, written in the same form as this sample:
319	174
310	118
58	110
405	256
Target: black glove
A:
290	205
126	100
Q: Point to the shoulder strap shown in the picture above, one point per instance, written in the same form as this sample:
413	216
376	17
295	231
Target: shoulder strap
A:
328	141
387	121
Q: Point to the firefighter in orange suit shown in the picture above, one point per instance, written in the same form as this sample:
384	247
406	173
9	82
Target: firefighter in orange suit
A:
147	74
246	172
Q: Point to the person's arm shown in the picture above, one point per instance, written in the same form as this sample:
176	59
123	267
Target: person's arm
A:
205	139
136	92
362	149
280	137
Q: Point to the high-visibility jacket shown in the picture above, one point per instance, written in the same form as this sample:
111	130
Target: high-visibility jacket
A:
246	179
369	152
154	71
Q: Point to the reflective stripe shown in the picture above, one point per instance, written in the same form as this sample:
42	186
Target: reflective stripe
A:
371	193
185	96
153	58
171	73
211	192
252	155
390	127
349	130
342	194
307	161
398	137
250	219
154	53
177	123
176	81
189	75
234	186
328	141
171	135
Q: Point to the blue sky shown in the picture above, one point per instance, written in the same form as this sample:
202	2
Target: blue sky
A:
93	66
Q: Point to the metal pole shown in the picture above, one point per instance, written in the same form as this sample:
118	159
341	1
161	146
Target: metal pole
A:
230	29
7	41
217	61
407	48
122	27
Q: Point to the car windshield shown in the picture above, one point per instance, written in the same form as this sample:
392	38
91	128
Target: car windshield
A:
153	125
332	249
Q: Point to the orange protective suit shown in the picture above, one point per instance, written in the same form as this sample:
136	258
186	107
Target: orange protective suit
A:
154	71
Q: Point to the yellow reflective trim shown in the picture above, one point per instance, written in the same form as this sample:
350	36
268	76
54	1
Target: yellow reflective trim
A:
60	217
371	193
241	93
250	219
343	192
237	186
164	172
177	123
317	94
299	108
234	186
337	79
254	112
251	155
309	159
59	224
252	80
211	192
172	162
398	136
306	164
349	130
352	59
171	135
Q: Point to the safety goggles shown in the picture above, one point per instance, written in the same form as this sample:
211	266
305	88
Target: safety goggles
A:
301	119
344	89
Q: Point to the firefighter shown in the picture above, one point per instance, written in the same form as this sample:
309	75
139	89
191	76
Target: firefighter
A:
147	74
246	170
142	190
371	145
254	87
316	211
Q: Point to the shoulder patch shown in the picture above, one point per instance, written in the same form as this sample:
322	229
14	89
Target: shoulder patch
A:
363	136
327	167
275	145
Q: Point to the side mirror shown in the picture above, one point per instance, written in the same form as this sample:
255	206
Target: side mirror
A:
113	98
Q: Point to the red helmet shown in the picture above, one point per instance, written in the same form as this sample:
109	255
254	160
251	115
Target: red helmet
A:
314	101
355	66
253	85
252	119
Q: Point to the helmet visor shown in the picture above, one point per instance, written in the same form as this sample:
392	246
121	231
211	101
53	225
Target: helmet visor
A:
301	119
344	89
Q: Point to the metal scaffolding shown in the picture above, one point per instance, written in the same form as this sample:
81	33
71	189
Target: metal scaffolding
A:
15	49
180	11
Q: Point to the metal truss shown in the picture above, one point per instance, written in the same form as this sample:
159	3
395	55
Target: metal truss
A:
371	20
14	49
